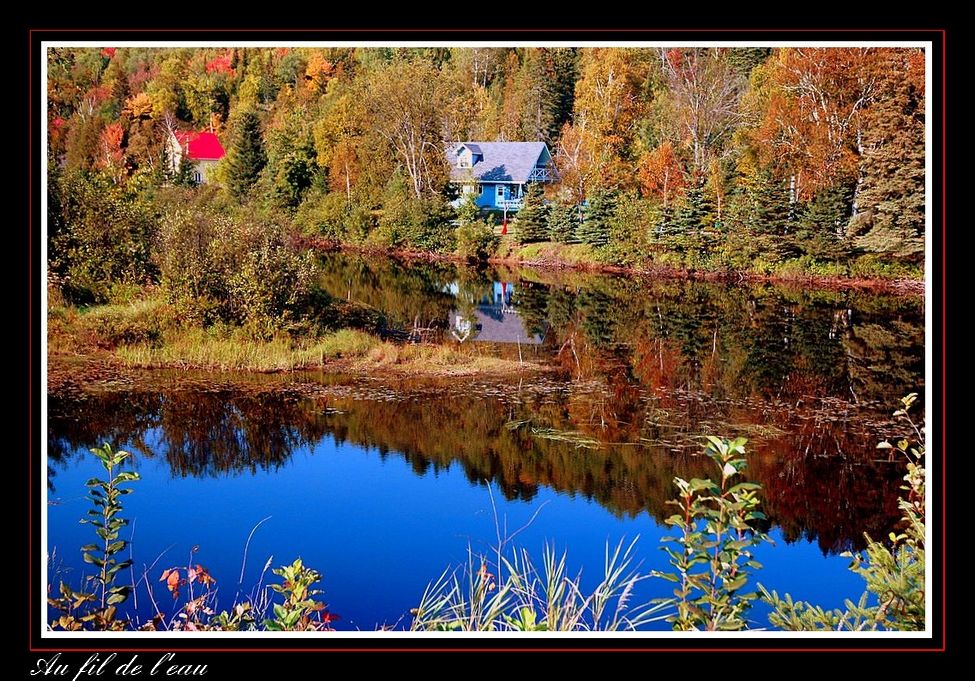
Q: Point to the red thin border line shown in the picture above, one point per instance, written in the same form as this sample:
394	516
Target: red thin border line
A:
944	339
944	484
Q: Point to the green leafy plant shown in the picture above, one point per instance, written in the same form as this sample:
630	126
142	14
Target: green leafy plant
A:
893	571
300	611
97	608
718	525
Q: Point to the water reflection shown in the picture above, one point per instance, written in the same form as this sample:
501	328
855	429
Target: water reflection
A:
642	370
777	342
820	477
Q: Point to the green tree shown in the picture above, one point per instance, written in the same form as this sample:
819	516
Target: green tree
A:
563	219
890	202
694	213
594	229
821	225
247	157
531	224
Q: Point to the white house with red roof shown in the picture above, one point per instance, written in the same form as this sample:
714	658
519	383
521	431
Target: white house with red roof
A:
202	149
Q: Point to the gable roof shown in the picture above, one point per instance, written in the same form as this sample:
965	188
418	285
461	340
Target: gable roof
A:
495	326
500	161
200	146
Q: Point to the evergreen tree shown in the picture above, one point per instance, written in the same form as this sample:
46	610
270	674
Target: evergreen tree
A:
563	220
247	157
694	214
822	222
762	204
531	224
468	210
890	203
744	59
563	68
762	212
594	229
539	99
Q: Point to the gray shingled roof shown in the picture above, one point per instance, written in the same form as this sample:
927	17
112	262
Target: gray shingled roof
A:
500	162
495	326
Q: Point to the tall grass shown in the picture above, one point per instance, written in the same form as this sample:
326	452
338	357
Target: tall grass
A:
514	594
197	348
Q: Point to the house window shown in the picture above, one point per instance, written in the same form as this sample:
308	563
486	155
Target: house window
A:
464	162
480	190
468	189
499	195
197	177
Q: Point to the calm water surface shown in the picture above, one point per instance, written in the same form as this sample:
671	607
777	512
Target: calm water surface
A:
382	483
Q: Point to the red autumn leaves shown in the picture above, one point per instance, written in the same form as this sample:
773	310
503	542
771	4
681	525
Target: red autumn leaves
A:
174	578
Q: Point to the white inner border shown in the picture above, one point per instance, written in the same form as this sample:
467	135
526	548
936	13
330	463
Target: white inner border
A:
931	420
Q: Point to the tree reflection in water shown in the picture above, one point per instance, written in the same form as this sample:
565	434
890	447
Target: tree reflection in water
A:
643	369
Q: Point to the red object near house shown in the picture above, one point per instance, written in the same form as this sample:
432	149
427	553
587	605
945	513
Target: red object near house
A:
201	146
504	227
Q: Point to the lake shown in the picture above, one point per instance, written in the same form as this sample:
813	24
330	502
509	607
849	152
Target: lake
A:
383	482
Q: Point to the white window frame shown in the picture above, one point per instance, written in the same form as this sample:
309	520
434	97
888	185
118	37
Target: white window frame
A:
499	194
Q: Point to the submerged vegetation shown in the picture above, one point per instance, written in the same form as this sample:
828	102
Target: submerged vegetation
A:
716	525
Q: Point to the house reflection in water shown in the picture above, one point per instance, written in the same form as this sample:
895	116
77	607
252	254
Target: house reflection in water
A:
493	320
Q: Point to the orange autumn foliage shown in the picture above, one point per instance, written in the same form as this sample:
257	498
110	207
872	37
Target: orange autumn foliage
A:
661	174
813	108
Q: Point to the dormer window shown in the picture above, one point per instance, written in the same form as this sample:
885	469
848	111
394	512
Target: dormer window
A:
464	161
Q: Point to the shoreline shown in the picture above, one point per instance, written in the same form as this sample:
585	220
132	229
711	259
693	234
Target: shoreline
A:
895	286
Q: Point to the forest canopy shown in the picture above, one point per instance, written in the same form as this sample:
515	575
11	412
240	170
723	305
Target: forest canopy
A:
712	158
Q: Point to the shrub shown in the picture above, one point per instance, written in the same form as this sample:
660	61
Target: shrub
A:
718	524
100	235
215	268
332	216
476	241
142	321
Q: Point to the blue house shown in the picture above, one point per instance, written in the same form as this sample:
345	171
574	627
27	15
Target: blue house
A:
497	172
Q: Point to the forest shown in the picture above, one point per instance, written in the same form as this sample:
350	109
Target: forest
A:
774	161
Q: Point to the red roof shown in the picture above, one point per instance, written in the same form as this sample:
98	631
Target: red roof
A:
201	146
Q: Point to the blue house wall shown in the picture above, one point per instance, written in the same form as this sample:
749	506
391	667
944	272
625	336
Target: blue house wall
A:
486	194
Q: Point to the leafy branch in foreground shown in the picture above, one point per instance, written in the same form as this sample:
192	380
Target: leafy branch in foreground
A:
97	609
894	572
718	527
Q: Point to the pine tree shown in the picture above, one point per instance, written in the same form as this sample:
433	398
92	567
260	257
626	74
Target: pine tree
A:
822	222
890	203
531	224
594	229
247	157
762	211
539	100
762	204
563	220
694	214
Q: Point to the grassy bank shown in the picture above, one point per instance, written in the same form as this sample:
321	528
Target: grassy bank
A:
145	334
